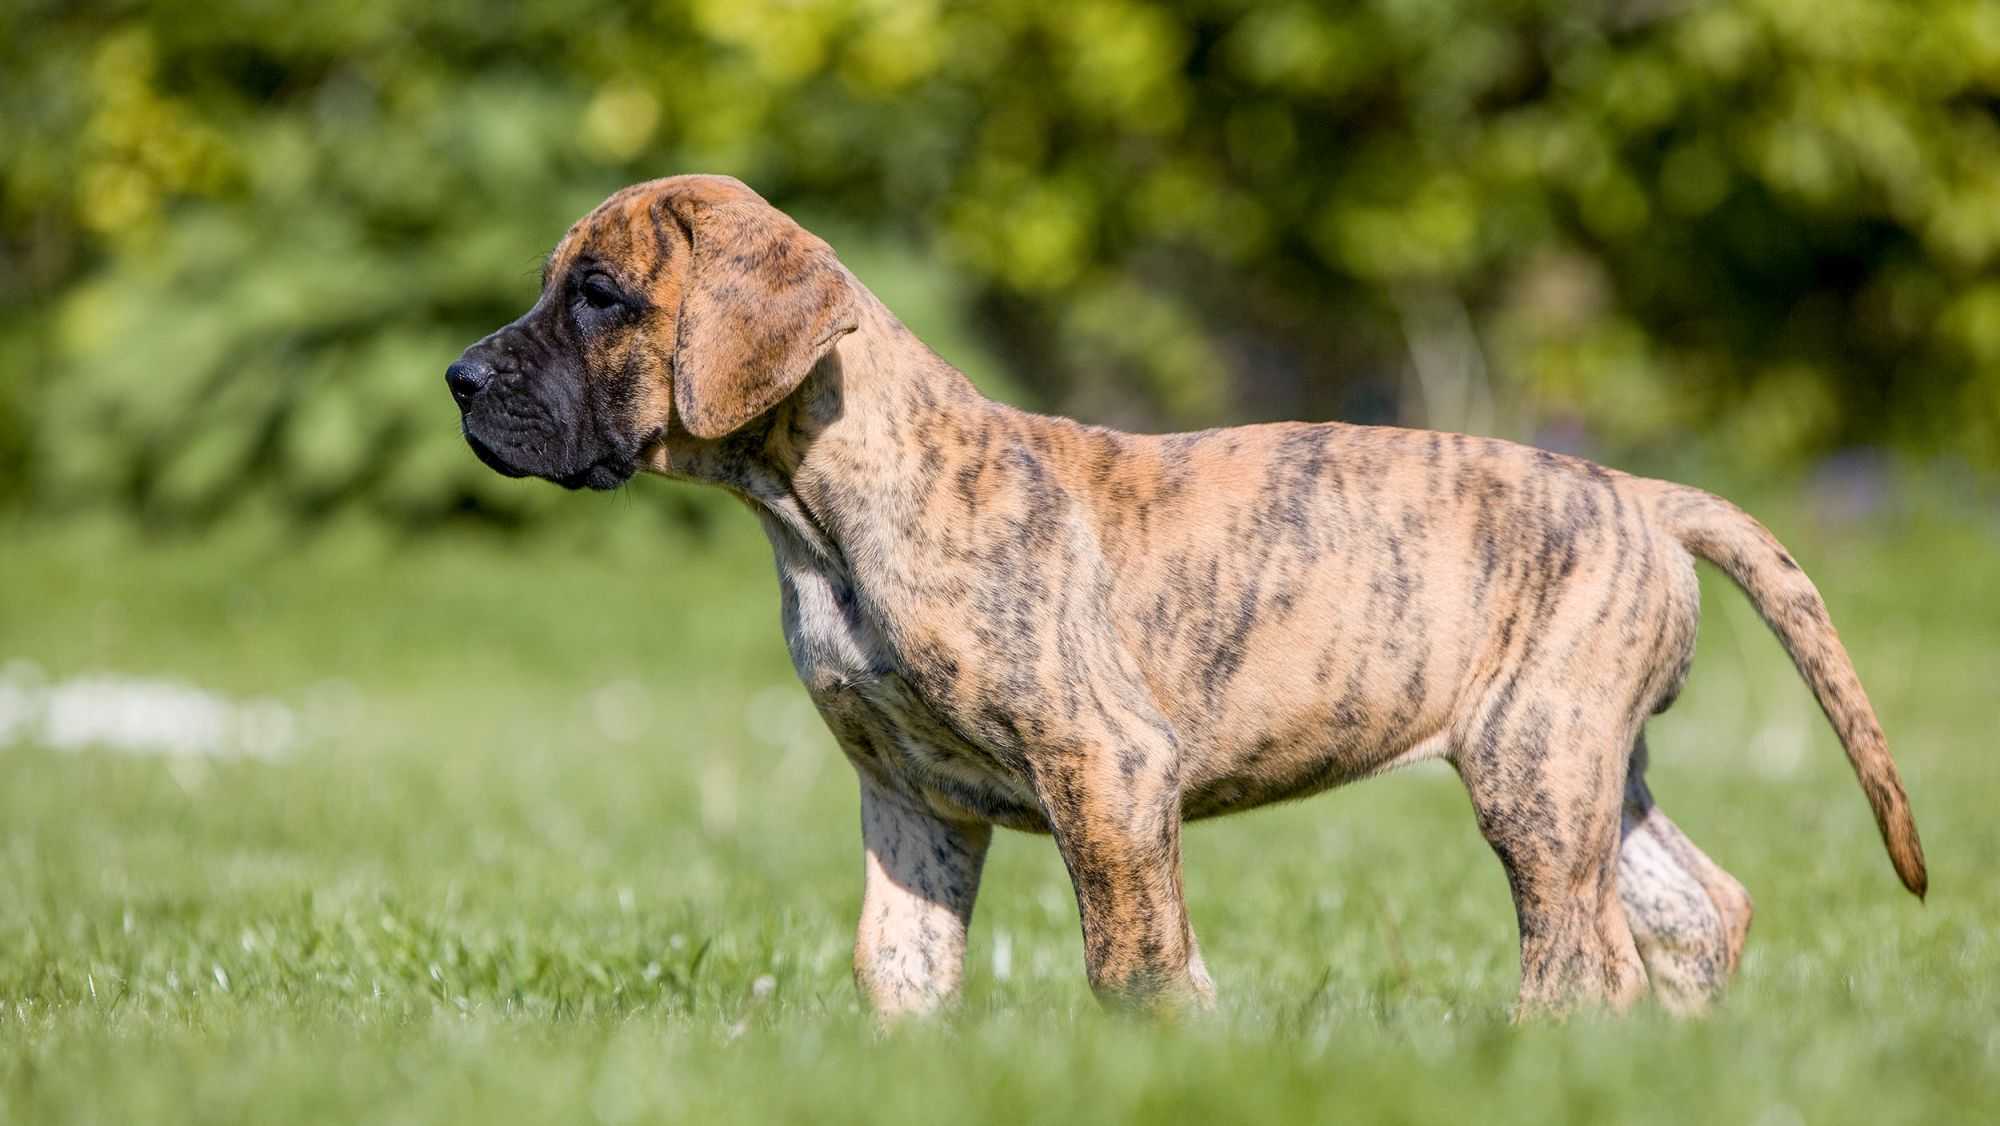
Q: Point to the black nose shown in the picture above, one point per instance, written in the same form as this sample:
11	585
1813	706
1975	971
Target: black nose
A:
467	378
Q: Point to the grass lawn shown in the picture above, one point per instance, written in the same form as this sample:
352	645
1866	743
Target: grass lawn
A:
561	840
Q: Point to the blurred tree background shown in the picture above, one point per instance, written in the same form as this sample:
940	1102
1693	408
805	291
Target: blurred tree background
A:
240	239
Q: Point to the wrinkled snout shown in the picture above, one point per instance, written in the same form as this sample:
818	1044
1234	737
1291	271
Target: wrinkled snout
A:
527	410
471	379
467	377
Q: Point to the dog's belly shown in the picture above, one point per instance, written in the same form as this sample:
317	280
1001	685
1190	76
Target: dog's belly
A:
1267	774
902	743
1305	702
899	740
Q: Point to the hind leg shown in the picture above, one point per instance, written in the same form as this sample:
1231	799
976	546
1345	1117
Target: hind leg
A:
1546	782
1688	917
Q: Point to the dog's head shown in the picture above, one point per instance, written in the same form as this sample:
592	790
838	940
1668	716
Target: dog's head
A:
679	306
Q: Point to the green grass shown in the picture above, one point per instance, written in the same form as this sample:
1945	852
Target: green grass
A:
465	899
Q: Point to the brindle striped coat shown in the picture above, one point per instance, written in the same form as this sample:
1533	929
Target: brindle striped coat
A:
1009	619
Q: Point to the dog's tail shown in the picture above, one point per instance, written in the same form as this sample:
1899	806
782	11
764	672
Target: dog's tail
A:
1725	535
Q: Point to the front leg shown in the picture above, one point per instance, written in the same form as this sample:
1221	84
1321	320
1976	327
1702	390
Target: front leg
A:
922	875
1116	819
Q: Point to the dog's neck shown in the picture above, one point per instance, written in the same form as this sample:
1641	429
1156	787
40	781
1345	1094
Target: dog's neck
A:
841	462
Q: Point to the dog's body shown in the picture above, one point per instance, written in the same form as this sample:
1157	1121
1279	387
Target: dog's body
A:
1014	620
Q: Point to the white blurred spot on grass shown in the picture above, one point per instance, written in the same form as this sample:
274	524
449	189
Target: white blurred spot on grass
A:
153	716
623	710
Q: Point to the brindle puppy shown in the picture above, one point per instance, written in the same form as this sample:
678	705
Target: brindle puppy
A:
1014	620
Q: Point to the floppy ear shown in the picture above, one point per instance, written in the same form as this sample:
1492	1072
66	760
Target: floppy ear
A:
764	300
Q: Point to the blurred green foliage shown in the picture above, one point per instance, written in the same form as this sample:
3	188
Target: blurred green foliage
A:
239	240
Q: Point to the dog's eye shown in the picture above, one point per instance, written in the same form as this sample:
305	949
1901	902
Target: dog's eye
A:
598	294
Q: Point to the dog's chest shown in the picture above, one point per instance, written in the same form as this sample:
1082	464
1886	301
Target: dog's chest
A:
883	722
